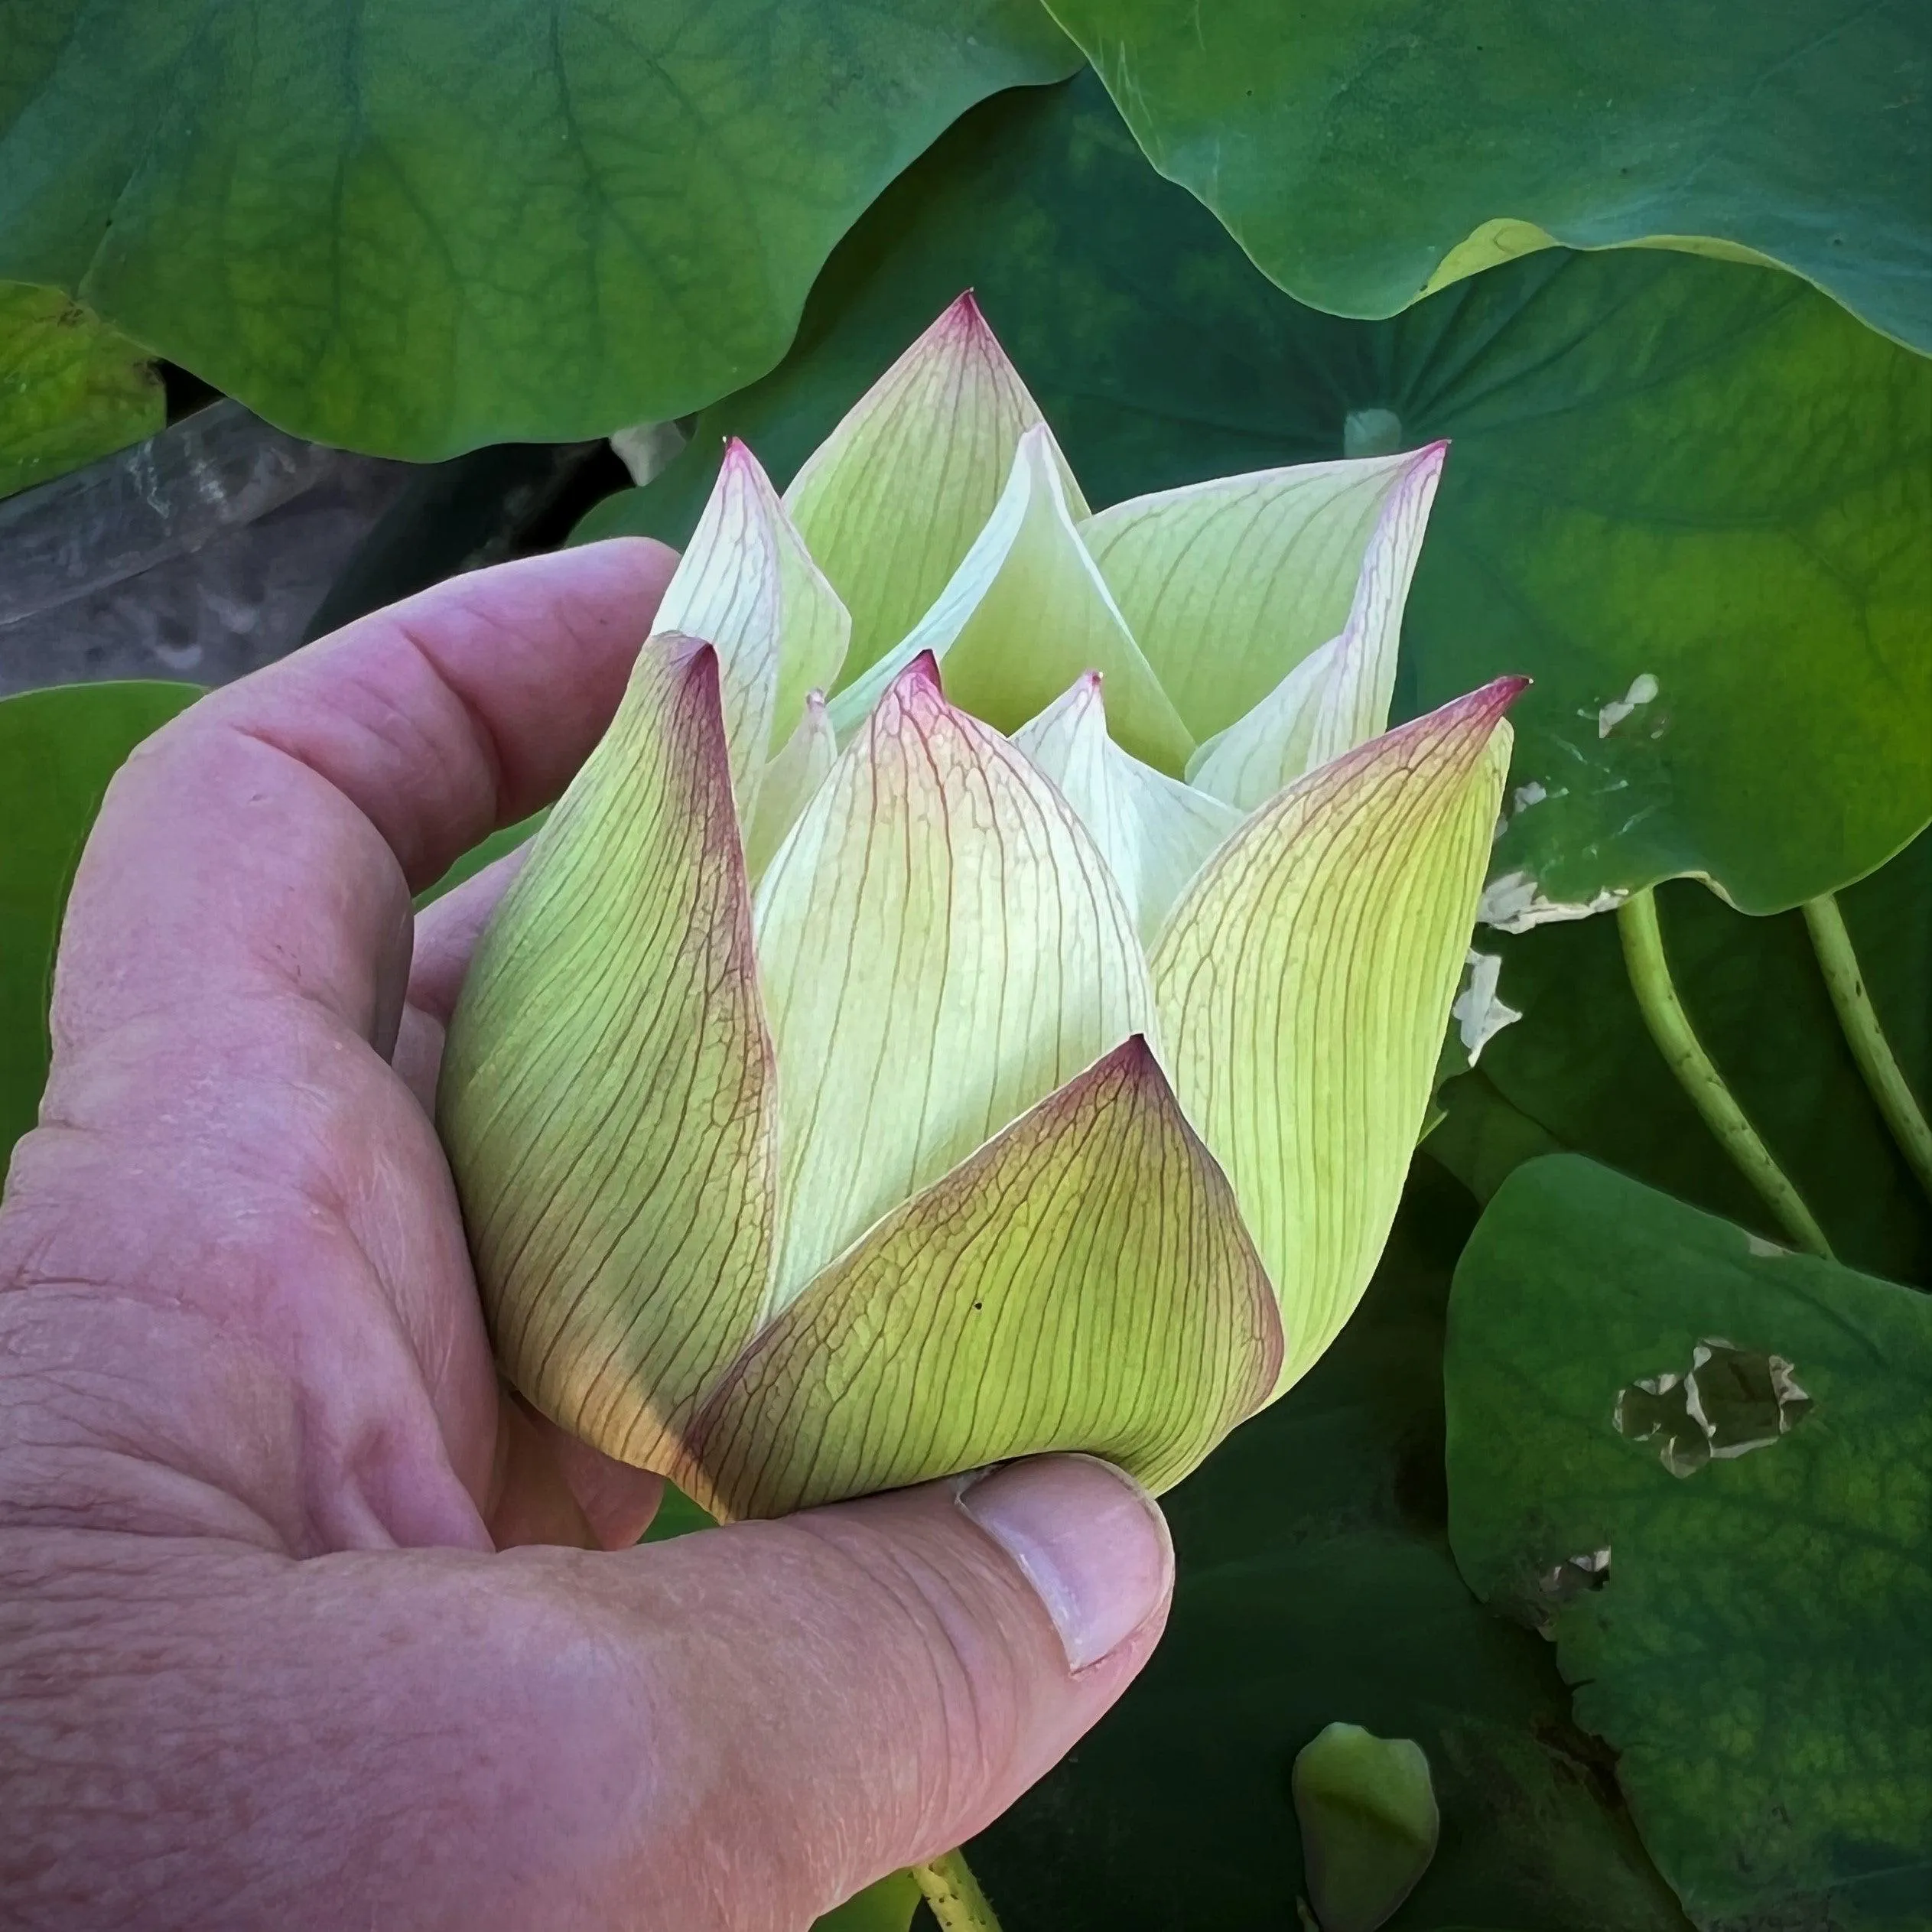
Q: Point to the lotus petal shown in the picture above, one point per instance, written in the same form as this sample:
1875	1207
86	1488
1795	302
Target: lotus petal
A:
1083	1282
941	945
1337	696
789	783
1228	585
1024	614
607	1094
891	501
747	585
1305	982
1155	833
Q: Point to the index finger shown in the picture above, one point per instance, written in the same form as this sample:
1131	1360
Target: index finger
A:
267	842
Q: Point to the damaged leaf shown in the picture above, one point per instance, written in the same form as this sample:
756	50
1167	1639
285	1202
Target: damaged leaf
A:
1580	1070
1752	1643
1732	1401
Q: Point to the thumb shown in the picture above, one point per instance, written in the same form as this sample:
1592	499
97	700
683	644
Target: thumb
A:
732	1731
863	1687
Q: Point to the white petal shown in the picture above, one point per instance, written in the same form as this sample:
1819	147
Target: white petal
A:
747	586
1154	832
1337	696
941	945
1229	584
1024	614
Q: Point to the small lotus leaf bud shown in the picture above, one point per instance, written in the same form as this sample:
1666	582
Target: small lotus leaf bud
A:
1368	1819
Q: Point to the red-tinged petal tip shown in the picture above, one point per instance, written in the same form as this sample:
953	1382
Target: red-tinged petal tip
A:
694	658
914	701
1426	466
963	312
1134	1059
920	679
741	466
1479	710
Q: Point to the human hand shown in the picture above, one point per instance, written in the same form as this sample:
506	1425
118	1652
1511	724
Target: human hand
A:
267	1654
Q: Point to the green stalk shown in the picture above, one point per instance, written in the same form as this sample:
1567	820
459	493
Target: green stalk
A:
1866	1038
1696	1073
953	1895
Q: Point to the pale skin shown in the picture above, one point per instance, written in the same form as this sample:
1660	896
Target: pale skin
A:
304	1623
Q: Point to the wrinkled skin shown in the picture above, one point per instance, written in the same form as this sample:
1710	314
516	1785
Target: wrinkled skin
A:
302	1623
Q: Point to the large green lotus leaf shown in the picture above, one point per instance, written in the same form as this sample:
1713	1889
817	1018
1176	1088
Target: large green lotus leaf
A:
58	749
1316	1584
1736	1563
415	228
1366	150
1698	472
1581	1068
71	389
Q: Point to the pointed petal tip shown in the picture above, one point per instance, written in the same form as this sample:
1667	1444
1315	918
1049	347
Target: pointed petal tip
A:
695	658
1133	1067
918	683
740	466
1501	693
1476	713
963	317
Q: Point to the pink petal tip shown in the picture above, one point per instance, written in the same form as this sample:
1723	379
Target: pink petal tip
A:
919	679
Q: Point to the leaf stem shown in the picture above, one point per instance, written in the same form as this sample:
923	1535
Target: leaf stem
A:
1697	1074
953	1895
1866	1038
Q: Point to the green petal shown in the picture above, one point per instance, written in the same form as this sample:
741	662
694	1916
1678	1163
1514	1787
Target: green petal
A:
747	585
1337	696
607	1096
788	782
1081	1282
1304	983
1154	833
941	945
891	501
1024	614
1264	565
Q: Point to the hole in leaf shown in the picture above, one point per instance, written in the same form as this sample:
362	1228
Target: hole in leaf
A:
1589	1571
1733	1400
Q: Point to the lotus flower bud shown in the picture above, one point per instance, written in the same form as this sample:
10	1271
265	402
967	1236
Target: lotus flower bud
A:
981	995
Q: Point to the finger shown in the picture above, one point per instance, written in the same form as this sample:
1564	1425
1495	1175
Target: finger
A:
528	1501
556	1489
266	842
863	1687
446	934
729	1732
